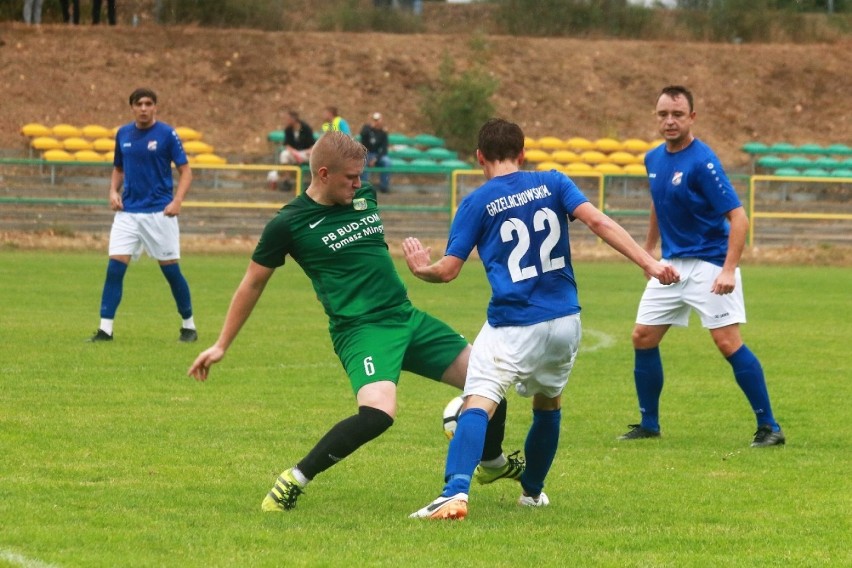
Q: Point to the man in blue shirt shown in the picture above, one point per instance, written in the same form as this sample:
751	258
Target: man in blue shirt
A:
697	215
147	206
518	222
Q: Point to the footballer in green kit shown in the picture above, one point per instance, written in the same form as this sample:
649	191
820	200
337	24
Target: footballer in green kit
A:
335	233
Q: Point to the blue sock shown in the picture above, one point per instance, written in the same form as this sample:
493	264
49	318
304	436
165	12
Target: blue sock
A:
180	289
465	451
648	375
113	285
749	375
540	449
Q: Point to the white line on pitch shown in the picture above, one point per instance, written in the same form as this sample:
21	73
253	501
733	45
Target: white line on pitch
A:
602	340
19	560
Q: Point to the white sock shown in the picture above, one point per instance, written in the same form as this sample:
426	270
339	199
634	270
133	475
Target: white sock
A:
189	323
106	326
300	477
499	461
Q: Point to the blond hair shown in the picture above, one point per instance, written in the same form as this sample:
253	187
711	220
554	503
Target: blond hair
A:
334	149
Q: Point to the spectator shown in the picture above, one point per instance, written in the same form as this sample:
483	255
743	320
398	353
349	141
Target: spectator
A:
67	16
333	121
32	12
96	12
374	137
298	140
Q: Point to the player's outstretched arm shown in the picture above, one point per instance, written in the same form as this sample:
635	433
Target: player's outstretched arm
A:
242	304
420	262
615	236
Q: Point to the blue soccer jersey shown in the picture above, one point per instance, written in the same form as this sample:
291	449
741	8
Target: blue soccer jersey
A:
691	195
146	158
519	225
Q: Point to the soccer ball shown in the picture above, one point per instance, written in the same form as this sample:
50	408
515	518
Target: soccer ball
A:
451	416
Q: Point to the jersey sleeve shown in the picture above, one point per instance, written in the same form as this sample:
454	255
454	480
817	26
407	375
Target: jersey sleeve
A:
570	194
275	242
176	151
464	232
715	185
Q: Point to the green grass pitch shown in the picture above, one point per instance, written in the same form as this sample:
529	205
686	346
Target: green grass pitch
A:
111	456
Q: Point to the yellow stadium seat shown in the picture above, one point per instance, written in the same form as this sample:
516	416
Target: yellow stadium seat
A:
186	134
635	169
608	168
109	156
46	143
622	158
634	146
197	147
537	156
579	144
577	167
551	143
103	144
58	156
88	156
565	157
593	157
209	159
75	143
94	131
654	143
607	145
530	143
547	166
34	129
66	131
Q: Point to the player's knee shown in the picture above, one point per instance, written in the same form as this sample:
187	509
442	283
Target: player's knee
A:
644	338
373	421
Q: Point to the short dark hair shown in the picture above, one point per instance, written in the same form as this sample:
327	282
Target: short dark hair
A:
141	93
500	140
293	114
675	91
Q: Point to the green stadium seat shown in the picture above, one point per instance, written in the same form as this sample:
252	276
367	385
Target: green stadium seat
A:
827	163
787	172
815	172
798	162
783	148
770	162
842	173
276	136
455	164
811	149
428	140
439	154
405	153
838	150
399	139
755	148
423	163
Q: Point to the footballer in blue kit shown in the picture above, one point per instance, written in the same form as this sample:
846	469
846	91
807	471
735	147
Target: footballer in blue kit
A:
702	227
147	206
518	222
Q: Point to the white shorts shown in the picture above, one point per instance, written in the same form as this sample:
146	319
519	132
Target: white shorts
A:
297	157
537	358
670	305
157	234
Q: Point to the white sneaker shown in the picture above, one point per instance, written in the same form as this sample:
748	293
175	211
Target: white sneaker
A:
527	501
454	507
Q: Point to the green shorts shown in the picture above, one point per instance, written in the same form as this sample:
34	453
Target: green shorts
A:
404	340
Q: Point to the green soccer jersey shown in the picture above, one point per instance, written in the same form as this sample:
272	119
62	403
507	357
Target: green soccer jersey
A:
342	249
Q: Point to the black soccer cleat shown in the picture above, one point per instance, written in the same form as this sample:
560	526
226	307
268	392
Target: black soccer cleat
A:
765	437
187	335
100	335
638	432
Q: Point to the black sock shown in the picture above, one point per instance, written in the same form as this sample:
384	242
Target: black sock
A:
344	438
494	434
